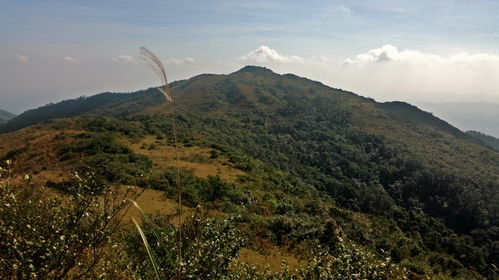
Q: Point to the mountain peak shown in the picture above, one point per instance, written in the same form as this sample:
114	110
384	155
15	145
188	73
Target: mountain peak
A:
255	69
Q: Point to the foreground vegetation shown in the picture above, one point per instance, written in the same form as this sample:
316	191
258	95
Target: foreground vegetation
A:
77	235
288	214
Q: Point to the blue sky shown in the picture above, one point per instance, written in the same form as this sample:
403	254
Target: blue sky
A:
417	51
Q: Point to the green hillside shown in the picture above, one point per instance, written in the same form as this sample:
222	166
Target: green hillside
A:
110	104
299	163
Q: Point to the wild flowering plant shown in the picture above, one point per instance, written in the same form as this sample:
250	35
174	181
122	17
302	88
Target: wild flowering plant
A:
45	236
349	261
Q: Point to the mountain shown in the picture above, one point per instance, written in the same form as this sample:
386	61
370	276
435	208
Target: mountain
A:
112	104
299	162
488	140
480	116
4	115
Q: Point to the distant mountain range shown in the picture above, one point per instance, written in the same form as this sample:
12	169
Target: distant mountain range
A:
107	103
487	140
4	115
479	116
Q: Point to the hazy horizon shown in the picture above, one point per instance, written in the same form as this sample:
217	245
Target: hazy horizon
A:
387	50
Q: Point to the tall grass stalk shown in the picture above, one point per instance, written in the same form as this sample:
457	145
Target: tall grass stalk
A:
148	249
158	68
151	225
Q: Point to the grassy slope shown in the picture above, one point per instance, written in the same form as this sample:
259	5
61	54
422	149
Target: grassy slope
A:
39	157
194	159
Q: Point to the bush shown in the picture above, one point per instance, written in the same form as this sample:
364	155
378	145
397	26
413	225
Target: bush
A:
110	161
348	261
47	237
208	248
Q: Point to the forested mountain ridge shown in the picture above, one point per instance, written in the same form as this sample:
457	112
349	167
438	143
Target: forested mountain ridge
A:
5	117
313	157
488	140
479	116
111	104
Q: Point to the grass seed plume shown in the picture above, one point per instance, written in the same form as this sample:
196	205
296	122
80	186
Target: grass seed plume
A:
155	64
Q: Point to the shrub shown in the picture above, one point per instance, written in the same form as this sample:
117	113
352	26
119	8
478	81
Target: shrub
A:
47	237
209	246
349	261
109	160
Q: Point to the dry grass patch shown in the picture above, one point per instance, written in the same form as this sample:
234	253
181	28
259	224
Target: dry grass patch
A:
194	159
35	151
273	260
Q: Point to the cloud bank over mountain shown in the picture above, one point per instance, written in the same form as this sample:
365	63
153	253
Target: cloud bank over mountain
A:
389	50
387	73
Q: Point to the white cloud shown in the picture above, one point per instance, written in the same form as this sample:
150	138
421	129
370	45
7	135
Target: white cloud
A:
180	61
22	58
264	54
69	59
389	53
124	58
389	73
